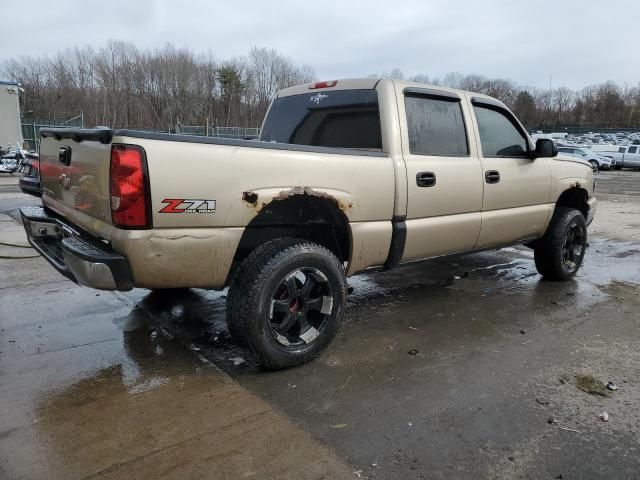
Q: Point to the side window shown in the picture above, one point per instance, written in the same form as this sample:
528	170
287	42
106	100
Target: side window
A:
621	150
436	126
498	135
633	149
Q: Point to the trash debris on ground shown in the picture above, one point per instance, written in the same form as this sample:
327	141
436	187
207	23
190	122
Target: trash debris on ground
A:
587	383
358	473
552	421
542	401
564	379
511	459
237	360
559	477
604	416
413	352
523	331
413	328
569	429
571	293
612	386
339	425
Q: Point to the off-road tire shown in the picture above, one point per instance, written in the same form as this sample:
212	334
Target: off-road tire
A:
254	285
550	251
239	276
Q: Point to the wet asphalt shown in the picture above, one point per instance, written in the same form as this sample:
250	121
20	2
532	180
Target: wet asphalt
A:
460	367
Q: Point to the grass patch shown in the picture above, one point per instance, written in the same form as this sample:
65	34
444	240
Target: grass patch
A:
590	384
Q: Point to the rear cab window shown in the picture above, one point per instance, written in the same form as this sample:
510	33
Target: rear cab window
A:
340	119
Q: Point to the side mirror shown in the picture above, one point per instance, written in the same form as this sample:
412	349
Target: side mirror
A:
545	148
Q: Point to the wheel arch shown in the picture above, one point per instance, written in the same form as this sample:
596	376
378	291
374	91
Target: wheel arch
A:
575	197
308	215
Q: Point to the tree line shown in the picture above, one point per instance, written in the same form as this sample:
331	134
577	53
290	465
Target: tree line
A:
122	86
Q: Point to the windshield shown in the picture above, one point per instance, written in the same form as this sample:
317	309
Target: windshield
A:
341	118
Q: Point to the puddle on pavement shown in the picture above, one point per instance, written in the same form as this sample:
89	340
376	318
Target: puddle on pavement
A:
478	294
445	310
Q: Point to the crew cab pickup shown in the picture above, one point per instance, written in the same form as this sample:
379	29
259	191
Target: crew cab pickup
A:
347	175
625	156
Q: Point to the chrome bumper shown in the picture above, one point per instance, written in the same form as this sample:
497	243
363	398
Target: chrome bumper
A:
75	255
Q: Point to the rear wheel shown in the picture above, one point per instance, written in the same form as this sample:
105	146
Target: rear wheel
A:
240	275
287	302
559	254
594	164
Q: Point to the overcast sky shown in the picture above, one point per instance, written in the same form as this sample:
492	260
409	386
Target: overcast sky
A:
576	42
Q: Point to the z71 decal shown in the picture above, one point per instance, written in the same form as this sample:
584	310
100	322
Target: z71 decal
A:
185	205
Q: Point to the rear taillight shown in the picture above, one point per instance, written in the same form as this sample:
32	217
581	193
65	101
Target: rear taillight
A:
130	202
329	84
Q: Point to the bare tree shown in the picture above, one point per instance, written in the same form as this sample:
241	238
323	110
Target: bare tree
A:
120	85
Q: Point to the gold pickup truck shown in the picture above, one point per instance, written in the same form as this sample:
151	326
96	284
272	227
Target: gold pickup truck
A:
347	175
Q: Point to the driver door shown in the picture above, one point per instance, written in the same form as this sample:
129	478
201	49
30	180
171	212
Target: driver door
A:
517	188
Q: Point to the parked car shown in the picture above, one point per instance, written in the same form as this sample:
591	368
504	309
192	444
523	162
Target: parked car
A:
598	162
347	175
624	156
30	176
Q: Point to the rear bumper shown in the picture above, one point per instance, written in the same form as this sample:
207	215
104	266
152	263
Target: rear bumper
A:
75	255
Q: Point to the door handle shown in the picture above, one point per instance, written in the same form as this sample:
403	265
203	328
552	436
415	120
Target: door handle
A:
492	176
64	155
426	179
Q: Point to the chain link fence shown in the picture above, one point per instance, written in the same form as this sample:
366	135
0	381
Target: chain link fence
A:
31	128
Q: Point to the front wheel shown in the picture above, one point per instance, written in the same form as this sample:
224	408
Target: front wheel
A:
287	307
559	254
594	165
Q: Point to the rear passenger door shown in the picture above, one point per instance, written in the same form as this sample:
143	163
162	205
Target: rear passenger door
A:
444	176
516	188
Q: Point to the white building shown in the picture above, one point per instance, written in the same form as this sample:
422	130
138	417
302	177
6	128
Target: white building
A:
10	128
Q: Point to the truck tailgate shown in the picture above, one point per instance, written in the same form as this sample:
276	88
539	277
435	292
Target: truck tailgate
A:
74	172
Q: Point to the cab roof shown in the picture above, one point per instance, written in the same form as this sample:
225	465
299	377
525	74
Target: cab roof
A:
370	83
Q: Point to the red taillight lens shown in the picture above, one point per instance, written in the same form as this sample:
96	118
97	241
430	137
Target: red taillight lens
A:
329	84
129	189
